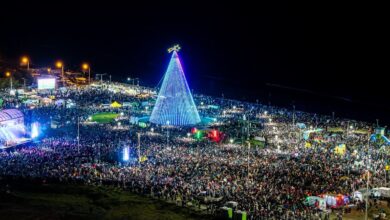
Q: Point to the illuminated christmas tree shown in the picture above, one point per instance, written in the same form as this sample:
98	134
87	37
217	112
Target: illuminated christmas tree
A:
175	105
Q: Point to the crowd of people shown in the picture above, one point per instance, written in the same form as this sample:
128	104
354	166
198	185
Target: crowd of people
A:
270	181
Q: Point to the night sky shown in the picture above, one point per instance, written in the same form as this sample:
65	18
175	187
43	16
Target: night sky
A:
322	58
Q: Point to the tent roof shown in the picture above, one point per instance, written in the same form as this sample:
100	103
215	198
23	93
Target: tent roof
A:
10	114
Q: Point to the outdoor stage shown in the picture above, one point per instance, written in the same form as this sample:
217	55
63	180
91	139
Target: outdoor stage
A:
12	129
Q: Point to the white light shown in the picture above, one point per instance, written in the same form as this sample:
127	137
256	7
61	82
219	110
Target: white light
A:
234	107
146	107
276	136
351	127
122	113
188	134
119	124
265	113
90	118
231	140
152	129
270	120
201	103
128	78
34	130
125	154
17	106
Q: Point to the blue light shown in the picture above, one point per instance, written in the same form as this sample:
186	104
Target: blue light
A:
34	130
174	102
126	153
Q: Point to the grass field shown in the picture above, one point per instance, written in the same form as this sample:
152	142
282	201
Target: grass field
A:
85	202
104	117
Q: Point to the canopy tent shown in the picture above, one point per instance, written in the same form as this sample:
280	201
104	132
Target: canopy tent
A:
380	138
306	134
340	149
316	201
115	104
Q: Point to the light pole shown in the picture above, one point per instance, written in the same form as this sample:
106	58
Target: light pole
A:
368	177
60	64
26	61
8	74
294	115
101	77
86	67
110	79
24	83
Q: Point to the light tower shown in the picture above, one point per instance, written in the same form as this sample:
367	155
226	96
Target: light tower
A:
174	102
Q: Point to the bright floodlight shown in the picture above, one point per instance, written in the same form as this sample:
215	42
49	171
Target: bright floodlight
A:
174	102
126	154
34	130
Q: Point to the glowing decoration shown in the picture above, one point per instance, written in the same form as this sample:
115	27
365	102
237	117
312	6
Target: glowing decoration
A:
34	130
215	135
175	48
126	153
198	135
194	130
174	102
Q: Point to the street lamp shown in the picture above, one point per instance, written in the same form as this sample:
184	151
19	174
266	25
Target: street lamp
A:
231	140
26	61
24	83
8	74
60	65
86	67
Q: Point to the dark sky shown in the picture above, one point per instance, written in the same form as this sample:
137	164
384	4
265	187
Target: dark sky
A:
325	52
